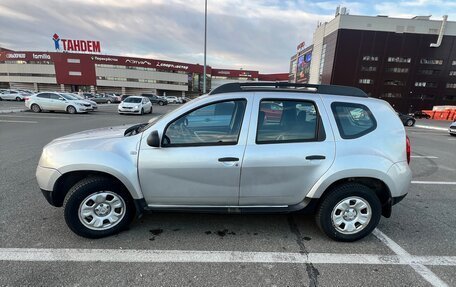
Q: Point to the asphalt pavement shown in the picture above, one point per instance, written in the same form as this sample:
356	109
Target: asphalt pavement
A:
415	247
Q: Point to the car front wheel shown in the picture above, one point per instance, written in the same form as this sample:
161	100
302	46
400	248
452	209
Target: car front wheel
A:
161	103
409	123
97	207
71	110
349	212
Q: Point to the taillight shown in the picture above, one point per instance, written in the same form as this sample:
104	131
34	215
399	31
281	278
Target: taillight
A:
408	149
26	98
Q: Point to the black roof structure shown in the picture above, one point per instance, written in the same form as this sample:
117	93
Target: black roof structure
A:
289	87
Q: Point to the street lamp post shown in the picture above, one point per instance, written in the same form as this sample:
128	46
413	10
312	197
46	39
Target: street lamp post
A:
205	36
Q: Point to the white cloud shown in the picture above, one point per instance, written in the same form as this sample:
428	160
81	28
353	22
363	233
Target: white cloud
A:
256	35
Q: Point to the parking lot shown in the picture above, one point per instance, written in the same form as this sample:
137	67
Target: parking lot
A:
415	247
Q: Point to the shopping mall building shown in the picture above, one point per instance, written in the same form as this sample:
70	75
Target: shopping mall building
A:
70	71
411	63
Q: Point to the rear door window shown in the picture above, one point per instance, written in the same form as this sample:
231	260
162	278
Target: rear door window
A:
281	121
353	120
44	96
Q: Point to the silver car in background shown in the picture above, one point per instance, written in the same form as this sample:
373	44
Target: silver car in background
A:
244	148
13	95
54	101
94	104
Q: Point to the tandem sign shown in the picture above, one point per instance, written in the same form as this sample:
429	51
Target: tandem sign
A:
69	45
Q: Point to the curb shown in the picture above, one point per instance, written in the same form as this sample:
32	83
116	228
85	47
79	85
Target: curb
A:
431	128
12	111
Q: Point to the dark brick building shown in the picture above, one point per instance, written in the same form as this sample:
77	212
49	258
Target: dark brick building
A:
411	63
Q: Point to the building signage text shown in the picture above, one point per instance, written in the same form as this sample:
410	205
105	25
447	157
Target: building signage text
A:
172	66
15	56
104	59
136	62
76	45
41	56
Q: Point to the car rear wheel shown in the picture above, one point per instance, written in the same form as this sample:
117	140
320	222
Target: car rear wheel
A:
71	110
108	102
97	207
409	122
161	103
18	99
35	108
349	212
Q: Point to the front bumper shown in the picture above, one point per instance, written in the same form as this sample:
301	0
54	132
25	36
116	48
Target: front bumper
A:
129	111
46	177
452	131
84	109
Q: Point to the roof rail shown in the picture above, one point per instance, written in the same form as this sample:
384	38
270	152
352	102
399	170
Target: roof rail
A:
289	87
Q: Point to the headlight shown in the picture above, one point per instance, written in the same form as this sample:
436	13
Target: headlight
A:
137	107
79	104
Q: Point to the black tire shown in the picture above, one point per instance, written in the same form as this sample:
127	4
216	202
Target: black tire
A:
410	123
83	189
108	102
18	99
71	110
334	197
160	103
35	108
142	111
150	109
1	99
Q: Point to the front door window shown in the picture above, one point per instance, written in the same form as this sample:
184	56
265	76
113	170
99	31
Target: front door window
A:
214	124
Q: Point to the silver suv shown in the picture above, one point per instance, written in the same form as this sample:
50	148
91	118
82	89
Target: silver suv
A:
244	148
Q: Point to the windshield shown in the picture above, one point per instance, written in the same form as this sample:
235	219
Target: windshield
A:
132	100
155	120
69	96
78	96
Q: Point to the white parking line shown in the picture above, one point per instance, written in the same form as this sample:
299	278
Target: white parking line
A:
37	116
423	156
187	256
432	128
419	268
27	122
434	182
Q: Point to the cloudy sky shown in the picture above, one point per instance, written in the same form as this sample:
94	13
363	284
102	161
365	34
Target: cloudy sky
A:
249	34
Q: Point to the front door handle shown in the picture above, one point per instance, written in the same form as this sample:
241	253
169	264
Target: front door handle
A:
227	159
315	157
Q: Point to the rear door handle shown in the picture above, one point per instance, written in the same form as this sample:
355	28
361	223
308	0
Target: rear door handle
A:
227	159
315	157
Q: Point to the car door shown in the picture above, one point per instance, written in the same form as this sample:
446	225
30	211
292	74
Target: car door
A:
199	160
9	95
44	101
287	150
58	103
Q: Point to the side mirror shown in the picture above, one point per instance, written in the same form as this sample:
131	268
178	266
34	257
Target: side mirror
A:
153	139
62	99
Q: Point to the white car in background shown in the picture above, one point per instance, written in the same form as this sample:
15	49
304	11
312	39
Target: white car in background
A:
94	104
452	129
12	95
53	101
172	100
135	105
